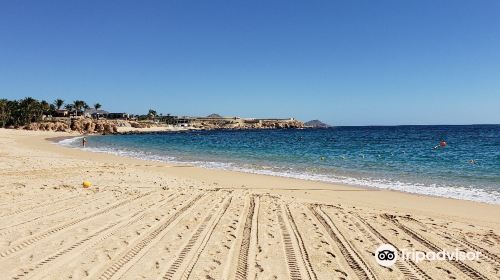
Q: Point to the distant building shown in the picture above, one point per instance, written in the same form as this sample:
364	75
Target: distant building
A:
275	120
95	114
61	113
175	120
98	115
117	116
168	119
219	121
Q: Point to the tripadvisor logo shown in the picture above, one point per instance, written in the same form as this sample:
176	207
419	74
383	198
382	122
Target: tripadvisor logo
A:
386	255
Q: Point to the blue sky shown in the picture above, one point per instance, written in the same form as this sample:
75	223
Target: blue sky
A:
344	62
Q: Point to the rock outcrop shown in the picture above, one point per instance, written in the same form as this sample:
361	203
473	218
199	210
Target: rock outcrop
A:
93	126
140	125
247	124
102	126
316	124
80	125
48	126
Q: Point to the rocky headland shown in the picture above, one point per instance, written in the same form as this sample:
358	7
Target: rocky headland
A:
86	125
93	126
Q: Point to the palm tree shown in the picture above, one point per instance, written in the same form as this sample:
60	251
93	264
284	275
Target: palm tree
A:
78	105
4	111
10	112
30	110
14	112
70	108
58	102
151	114
97	106
45	106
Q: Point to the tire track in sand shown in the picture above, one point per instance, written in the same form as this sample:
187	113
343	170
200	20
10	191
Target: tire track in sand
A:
288	243
492	258
129	220
466	269
356	263
48	233
134	251
39	206
62	252
24	199
415	273
242	266
14	227
301	245
176	265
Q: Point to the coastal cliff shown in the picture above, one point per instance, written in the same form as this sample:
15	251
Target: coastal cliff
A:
247	123
86	125
93	126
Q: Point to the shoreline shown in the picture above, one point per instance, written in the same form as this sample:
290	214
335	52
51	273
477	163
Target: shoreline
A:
328	181
401	199
150	212
58	139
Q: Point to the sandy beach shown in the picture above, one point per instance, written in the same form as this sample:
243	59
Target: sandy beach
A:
149	220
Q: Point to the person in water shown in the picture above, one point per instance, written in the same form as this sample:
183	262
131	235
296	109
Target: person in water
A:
442	144
84	141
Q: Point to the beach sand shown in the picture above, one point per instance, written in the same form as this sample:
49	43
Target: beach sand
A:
149	220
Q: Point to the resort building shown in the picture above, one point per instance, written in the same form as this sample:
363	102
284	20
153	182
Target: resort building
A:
117	116
61	113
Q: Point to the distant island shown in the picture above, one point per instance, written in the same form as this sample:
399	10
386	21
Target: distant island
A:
316	124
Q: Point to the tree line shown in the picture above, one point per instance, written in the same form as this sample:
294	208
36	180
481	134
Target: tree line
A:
27	110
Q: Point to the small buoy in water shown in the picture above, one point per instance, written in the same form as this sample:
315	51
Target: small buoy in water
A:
86	184
322	158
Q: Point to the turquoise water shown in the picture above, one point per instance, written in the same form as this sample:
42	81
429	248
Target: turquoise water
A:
397	157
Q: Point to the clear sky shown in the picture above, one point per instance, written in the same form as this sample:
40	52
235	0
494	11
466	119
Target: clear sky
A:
344	62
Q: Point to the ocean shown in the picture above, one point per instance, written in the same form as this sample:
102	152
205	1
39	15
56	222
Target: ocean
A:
400	158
